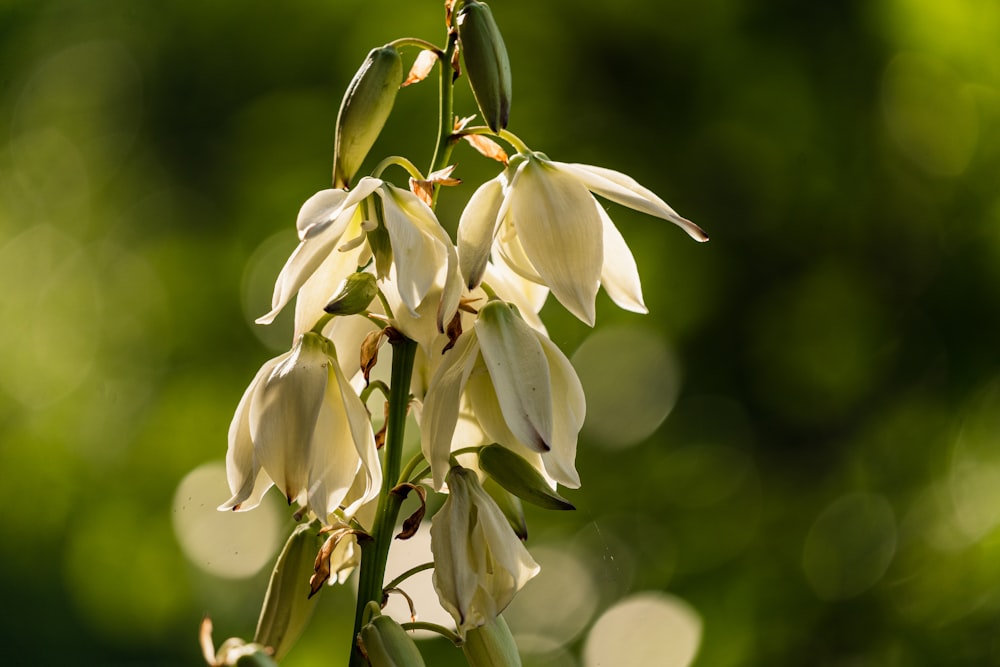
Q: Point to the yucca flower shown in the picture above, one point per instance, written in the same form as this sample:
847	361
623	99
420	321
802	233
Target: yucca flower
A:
301	427
522	389
334	226
479	563
540	217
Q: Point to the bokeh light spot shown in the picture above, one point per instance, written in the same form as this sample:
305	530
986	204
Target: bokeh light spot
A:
555	606
261	271
930	113
234	545
645	629
51	311
631	379
850	546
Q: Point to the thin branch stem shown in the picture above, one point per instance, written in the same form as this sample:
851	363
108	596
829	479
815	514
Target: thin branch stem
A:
409	573
433	627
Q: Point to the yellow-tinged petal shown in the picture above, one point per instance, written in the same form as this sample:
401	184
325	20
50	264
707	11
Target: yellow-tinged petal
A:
560	231
520	374
439	416
283	415
476	229
620	275
568	413
455	576
416	253
247	481
360	431
624	190
316	291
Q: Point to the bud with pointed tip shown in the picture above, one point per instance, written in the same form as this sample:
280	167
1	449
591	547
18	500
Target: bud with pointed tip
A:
491	645
287	605
364	110
354	296
386	644
520	478
486	62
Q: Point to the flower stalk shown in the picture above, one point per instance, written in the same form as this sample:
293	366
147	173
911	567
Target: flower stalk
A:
375	551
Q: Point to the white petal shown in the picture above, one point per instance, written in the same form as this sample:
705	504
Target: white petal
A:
317	291
319	210
316	216
333	462
440	412
506	551
624	190
620	276
568	412
416	253
306	259
476	229
242	468
283	414
454	573
528	296
520	374
360	428
560	231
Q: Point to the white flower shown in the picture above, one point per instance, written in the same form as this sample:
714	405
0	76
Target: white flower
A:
300	426
333	226
479	563
539	216
522	389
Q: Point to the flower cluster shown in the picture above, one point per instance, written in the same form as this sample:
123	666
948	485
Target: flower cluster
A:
469	349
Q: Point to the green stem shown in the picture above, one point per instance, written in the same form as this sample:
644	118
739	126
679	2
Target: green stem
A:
398	161
446	123
414	41
375	551
506	135
409	573
433	627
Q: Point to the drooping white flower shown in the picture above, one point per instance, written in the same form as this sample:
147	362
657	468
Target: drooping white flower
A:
338	221
301	427
540	217
522	389
479	563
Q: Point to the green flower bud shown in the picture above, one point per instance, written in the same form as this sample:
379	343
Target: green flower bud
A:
520	478
354	296
486	62
386	644
287	605
364	110
491	645
510	505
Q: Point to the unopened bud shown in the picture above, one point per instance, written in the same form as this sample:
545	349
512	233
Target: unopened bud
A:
486	62
386	644
364	110
520	478
491	645
287	605
354	296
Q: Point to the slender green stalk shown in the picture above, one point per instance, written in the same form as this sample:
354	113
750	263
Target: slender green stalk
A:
433	627
409	573
446	122
374	551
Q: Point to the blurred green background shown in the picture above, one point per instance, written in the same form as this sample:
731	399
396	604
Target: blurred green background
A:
826	487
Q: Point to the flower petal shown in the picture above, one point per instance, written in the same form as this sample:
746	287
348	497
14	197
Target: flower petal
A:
416	253
520	374
304	261
620	275
441	405
568	413
454	572
320	210
360	431
283	414
476	229
560	232
624	190
321	286
243	471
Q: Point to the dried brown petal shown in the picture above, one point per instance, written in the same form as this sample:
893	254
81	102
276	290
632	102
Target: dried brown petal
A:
369	351
487	147
412	522
422	66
